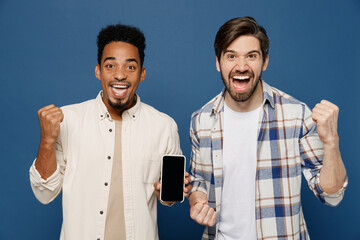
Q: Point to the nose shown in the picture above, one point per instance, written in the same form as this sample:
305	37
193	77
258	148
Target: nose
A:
119	74
241	65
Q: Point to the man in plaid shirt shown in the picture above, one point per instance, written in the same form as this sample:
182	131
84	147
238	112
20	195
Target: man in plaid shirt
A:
251	143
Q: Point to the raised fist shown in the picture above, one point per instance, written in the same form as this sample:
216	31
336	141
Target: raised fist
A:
50	118
325	114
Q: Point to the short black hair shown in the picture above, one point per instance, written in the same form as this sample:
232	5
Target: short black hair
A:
121	33
237	27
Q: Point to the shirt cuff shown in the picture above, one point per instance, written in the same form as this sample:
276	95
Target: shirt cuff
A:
198	188
331	199
51	183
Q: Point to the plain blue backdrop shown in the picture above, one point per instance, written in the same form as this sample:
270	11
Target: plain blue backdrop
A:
48	55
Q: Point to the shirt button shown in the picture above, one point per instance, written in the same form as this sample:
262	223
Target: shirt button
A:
109	157
101	212
106	184
110	130
101	115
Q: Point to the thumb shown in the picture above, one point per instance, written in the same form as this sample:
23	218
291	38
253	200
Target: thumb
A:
157	186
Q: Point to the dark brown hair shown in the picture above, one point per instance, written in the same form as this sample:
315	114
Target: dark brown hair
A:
237	27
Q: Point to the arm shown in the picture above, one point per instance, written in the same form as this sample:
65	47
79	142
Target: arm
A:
333	173
314	158
200	211
44	173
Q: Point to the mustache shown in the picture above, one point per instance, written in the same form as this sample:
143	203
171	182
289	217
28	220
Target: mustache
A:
247	72
120	82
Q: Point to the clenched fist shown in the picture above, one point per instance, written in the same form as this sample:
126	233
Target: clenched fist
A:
200	211
325	114
50	118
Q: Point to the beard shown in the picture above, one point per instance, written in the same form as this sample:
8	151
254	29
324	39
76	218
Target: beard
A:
240	97
121	106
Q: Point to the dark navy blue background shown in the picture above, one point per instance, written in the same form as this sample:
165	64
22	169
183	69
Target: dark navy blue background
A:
48	55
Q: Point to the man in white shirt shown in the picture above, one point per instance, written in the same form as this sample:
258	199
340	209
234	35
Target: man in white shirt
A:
104	154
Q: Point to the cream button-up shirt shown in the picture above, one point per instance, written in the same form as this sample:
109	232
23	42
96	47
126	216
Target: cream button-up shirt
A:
84	155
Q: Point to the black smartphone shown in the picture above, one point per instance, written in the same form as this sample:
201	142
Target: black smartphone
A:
172	178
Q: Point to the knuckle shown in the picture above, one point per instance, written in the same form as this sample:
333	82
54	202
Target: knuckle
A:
42	114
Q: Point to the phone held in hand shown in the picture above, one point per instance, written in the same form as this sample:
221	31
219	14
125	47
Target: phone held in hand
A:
172	178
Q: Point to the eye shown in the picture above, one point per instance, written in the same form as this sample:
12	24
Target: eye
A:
230	56
109	66
253	56
131	67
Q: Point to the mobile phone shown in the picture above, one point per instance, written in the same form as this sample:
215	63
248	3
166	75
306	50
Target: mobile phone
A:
172	178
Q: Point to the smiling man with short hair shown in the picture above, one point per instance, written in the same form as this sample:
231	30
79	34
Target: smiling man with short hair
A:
104	154
251	143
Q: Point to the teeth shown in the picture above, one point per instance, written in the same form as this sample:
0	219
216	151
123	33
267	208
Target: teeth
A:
241	77
119	86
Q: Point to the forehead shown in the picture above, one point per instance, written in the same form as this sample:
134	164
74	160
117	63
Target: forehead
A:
244	44
120	50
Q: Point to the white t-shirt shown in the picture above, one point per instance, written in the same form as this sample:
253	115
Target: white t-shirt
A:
237	216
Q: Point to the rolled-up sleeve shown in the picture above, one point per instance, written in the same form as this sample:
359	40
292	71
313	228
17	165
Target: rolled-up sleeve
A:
45	190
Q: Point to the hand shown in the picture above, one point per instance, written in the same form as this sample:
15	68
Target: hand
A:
203	214
50	118
187	188
325	114
157	187
200	211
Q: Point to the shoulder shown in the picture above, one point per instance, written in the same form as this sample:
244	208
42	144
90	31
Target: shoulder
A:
155	115
286	98
288	103
207	109
78	109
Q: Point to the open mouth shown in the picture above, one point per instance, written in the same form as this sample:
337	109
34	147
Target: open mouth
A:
119	90
240	83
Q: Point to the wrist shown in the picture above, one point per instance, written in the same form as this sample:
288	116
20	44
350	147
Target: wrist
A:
197	197
47	142
332	143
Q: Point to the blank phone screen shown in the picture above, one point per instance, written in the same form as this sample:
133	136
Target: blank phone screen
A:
172	178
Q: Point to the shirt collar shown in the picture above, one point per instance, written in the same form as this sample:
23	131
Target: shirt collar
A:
268	96
133	112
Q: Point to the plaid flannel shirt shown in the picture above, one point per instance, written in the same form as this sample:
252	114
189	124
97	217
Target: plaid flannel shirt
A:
287	145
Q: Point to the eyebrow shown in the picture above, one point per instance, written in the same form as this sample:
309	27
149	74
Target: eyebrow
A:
233	51
127	60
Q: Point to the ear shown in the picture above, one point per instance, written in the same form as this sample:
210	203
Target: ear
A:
142	74
266	62
217	64
97	71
